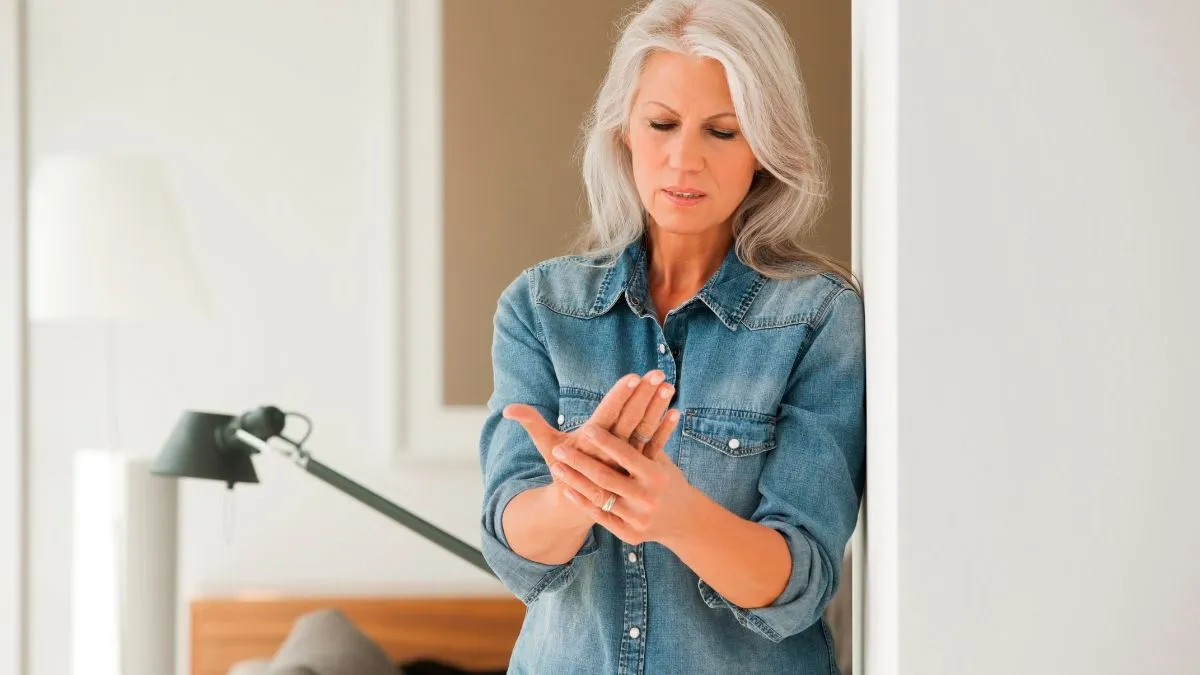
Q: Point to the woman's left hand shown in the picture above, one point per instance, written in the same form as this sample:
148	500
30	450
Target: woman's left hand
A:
653	501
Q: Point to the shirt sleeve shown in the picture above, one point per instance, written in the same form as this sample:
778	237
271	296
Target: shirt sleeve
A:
812	482
522	373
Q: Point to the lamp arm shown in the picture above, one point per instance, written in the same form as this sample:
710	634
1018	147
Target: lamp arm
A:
408	519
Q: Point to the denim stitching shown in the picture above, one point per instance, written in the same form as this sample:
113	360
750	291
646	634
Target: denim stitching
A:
779	322
579	392
531	284
829	645
746	618
829	303
749	415
748	298
820	322
549	578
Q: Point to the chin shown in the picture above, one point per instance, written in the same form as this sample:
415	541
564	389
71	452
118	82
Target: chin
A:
681	223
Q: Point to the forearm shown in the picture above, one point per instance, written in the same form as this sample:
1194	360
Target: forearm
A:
539	524
749	564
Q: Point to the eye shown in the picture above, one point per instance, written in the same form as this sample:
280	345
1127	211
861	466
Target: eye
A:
723	134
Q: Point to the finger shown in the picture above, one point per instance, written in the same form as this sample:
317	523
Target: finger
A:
654	450
573	440
610	406
615	449
611	520
635	407
580	470
570	478
653	417
543	435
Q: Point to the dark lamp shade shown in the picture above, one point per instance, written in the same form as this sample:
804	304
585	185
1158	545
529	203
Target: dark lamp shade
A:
194	450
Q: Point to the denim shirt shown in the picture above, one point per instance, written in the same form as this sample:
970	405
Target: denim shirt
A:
770	380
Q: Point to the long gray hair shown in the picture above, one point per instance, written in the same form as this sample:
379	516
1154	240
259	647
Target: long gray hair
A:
774	220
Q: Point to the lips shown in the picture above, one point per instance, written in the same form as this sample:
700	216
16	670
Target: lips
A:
684	191
684	197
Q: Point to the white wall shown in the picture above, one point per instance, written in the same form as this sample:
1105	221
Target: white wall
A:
12	331
1048	450
274	119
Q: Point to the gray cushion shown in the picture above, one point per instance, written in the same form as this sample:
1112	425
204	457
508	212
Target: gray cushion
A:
255	667
325	642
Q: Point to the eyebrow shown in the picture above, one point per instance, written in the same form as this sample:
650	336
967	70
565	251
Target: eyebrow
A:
709	119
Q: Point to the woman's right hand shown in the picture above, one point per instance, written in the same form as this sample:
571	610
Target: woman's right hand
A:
634	404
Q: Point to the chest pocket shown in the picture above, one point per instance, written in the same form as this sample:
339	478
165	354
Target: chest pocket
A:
723	453
575	406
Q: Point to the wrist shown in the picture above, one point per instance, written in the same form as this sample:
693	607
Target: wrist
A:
696	509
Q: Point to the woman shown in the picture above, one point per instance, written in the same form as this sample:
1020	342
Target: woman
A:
715	549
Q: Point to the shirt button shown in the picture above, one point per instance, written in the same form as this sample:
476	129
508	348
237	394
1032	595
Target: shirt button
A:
662	348
561	419
734	444
634	632
632	557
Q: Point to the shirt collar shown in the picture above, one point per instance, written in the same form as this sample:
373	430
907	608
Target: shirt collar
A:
728	293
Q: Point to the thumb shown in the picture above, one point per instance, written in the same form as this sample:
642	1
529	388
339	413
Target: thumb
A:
540	432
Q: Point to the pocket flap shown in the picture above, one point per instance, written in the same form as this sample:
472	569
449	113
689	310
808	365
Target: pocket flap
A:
736	433
575	407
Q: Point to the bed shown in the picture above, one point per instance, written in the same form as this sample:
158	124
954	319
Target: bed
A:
470	632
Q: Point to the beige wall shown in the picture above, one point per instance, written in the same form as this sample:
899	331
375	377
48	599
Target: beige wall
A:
519	77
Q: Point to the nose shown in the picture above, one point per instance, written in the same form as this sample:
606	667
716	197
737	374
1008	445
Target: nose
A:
686	153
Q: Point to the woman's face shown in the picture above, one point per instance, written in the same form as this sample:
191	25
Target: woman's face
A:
684	138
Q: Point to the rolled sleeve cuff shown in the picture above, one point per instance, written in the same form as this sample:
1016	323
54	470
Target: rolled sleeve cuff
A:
796	608
527	579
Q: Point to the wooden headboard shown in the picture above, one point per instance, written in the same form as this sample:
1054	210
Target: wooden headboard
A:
469	632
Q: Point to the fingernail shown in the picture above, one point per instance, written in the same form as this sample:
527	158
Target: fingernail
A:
632	381
674	416
666	391
559	452
656	378
556	470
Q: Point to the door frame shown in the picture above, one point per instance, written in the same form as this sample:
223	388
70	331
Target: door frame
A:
876	256
14	377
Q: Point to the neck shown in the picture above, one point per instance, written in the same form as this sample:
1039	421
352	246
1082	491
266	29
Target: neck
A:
683	263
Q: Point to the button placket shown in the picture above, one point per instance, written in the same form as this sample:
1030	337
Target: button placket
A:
632	655
666	362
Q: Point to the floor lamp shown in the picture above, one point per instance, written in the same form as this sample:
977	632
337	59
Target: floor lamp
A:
106	247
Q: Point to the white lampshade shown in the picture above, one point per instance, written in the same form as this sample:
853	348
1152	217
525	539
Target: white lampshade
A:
105	243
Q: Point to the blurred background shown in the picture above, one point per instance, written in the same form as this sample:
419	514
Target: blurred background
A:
355	184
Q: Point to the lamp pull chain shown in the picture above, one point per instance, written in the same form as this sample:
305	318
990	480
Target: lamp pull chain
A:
228	516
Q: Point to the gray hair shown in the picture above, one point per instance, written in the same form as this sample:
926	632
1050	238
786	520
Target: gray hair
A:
785	200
